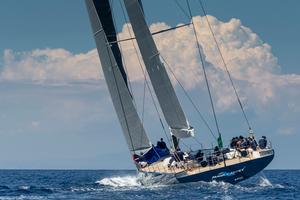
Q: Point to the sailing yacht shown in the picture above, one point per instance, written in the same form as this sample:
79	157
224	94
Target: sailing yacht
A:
218	164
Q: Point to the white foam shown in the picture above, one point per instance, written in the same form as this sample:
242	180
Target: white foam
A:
83	189
219	184
126	181
140	180
158	180
24	187
22	197
227	197
264	182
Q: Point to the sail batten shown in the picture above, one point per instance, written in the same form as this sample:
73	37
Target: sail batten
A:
132	127
160	80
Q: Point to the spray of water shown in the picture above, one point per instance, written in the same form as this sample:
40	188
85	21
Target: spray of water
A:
118	181
141	180
153	181
265	182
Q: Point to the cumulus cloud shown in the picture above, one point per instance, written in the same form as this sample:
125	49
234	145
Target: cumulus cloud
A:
49	65
253	67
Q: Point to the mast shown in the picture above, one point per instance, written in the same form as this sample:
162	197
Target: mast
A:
111	62
160	80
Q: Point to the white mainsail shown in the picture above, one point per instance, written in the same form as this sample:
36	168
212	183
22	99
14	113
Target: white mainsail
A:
132	127
160	80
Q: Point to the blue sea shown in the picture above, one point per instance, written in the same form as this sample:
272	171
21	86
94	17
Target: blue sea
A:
124	184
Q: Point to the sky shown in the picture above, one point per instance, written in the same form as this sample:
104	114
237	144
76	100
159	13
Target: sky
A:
56	112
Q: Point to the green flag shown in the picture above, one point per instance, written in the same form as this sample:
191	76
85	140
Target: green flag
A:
220	142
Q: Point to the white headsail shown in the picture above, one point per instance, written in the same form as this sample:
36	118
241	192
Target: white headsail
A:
130	122
160	80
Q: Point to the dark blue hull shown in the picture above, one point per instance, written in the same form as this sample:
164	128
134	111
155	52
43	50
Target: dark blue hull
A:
230	174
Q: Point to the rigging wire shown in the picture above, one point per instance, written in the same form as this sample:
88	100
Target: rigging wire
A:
152	97
182	9
189	97
204	71
126	70
144	96
119	94
130	83
145	77
120	46
198	141
153	33
154	54
225	65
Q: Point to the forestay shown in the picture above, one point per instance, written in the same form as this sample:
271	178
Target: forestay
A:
130	122
160	80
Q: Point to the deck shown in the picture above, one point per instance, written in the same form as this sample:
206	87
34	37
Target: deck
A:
192	167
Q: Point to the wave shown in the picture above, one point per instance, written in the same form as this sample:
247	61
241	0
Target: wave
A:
84	189
28	189
262	184
22	197
4	187
24	187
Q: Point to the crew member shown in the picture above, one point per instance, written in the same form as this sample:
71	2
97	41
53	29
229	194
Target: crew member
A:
262	143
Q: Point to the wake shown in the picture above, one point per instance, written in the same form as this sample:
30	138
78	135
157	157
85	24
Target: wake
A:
148	181
138	181
119	181
265	182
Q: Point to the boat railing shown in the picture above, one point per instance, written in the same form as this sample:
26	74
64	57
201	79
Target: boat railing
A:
207	159
239	154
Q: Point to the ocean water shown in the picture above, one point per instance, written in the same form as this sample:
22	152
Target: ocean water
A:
124	184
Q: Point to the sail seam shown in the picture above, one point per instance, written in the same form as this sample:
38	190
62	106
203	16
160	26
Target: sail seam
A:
97	32
154	55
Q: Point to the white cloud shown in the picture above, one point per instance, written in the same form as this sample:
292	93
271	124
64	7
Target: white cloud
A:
254	68
49	65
